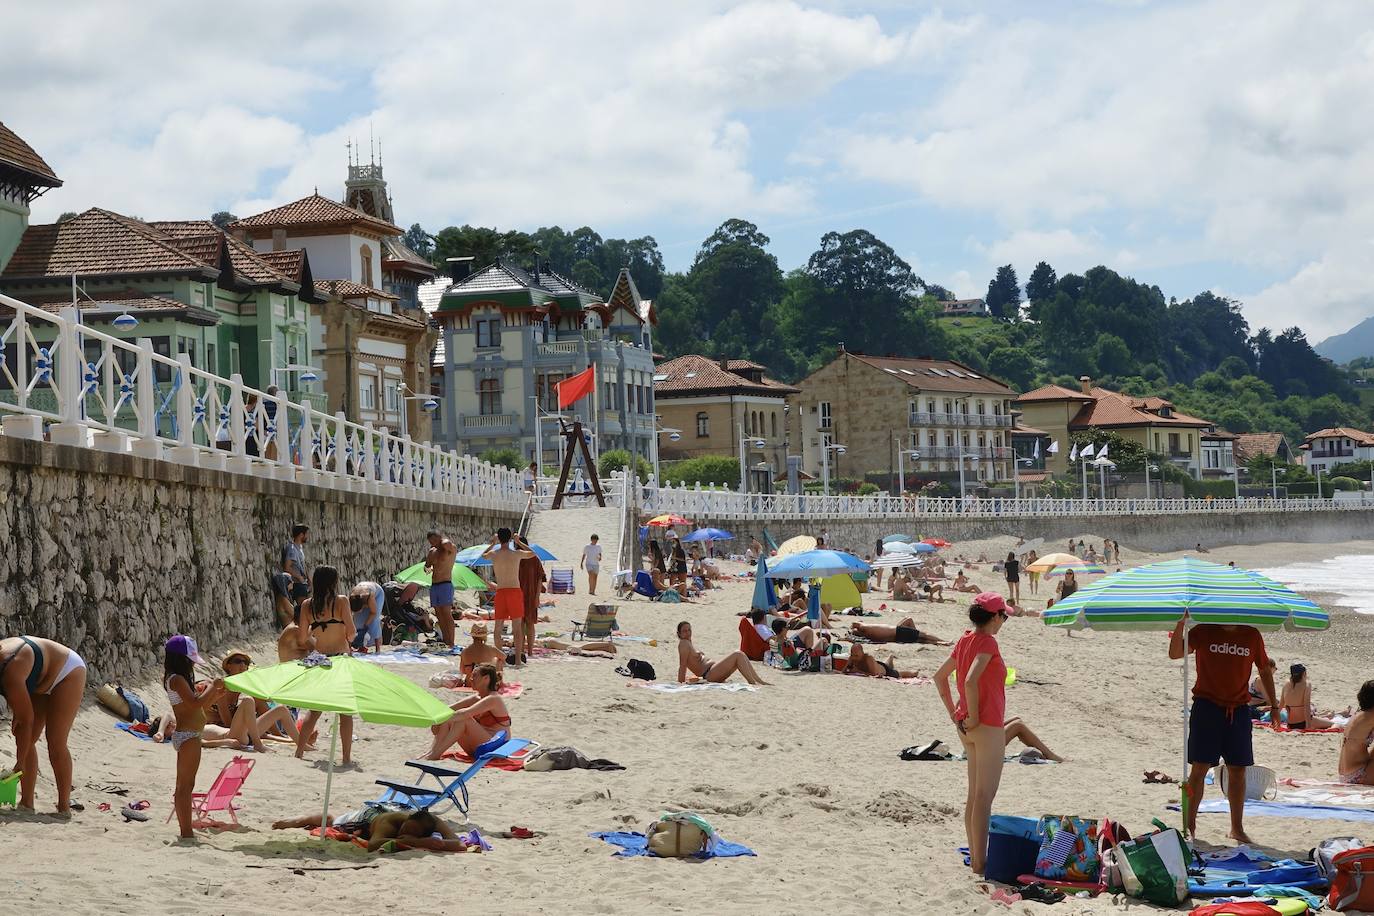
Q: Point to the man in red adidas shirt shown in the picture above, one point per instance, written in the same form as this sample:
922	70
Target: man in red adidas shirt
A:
1219	727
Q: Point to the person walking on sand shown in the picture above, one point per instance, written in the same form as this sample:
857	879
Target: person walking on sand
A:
1033	575
979	715
1012	569
591	561
1219	725
505	553
439	565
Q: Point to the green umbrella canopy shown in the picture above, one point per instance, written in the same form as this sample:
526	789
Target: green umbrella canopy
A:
1155	597
463	577
345	686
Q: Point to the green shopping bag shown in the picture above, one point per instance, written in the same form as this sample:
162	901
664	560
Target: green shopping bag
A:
1155	867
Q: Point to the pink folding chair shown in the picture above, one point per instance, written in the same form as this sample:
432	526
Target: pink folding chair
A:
228	785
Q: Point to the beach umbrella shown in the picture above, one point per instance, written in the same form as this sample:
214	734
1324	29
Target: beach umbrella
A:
813	605
815	564
472	556
1158	596
1081	568
839	592
936	542
667	521
895	561
799	544
1051	560
903	547
897	537
709	534
765	596
347	687
462	577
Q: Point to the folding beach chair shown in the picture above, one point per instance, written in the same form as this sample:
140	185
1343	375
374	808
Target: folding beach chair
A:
561	581
452	785
644	585
227	786
600	623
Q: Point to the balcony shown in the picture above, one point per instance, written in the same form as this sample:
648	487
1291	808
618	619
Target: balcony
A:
925	418
1334	453
559	348
972	453
490	422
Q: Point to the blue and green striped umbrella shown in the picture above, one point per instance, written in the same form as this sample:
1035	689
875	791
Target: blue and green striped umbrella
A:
1155	597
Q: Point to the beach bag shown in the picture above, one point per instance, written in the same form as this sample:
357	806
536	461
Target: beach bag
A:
1110	835
670	596
1328	849
1069	849
1352	882
638	670
1260	782
1154	868
678	836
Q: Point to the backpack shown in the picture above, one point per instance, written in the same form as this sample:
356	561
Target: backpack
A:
1349	889
638	670
1327	849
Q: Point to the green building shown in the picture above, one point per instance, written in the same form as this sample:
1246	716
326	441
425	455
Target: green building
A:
24	176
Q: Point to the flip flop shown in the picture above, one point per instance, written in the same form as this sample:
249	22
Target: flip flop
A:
522	833
1039	893
142	805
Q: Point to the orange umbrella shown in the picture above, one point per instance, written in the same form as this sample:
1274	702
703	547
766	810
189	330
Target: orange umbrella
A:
666	521
937	542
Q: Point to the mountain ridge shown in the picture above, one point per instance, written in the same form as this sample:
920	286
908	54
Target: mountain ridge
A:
1352	344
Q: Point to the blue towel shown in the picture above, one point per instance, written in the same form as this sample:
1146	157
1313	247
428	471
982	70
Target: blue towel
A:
635	844
129	727
1287	809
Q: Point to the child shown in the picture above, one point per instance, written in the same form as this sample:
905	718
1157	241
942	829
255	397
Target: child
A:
188	707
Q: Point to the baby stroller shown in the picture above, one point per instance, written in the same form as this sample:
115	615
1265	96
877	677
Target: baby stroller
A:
402	619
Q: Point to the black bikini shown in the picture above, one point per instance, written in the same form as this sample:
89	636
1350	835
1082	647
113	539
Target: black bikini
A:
36	674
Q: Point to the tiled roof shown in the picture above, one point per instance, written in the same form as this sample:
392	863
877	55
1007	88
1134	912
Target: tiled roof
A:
203	238
1219	435
936	374
694	375
118	302
101	242
625	294
1248	445
1024	430
1342	432
1109	408
735	365
495	278
560	285
16	153
1052	393
430	295
287	261
314	210
348	289
399	254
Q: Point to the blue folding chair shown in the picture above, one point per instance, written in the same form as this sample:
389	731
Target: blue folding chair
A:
452	784
644	585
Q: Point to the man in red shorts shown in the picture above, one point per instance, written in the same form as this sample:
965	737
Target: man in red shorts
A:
505	559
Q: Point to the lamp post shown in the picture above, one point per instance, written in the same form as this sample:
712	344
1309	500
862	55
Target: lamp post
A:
825	464
743	452
429	401
1319	481
962	456
673	436
1148	468
901	472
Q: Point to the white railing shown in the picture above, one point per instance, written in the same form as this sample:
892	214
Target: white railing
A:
79	386
560	348
694	502
489	421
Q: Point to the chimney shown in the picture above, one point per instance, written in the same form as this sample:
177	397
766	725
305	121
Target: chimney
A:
724	364
278	239
459	268
1086	383
535	273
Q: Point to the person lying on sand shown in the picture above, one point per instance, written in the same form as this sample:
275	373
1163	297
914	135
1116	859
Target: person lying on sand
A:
593	649
690	660
406	829
479	718
860	662
904	631
236	737
1016	730
1355	765
962	583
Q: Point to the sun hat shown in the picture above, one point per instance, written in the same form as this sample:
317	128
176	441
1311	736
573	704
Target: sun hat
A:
236	654
184	645
478	629
991	602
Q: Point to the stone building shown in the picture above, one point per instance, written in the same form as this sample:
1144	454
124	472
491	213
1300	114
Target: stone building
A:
24	177
720	407
946	413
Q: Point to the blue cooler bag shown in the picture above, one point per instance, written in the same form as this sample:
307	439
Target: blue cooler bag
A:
1013	844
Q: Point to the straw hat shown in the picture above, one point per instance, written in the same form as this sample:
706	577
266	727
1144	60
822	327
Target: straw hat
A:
247	659
478	631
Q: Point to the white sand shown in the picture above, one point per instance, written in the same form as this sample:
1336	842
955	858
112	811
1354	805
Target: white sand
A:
806	772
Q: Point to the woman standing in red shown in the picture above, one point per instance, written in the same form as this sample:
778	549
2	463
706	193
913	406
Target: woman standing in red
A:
980	677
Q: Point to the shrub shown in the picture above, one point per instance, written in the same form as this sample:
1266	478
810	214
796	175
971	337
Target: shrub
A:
618	458
1345	483
867	489
506	457
707	469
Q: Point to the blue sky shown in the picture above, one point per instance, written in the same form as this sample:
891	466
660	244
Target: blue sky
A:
1219	144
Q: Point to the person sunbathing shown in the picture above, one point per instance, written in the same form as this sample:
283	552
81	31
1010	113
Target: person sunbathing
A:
902	589
904	631
1017	730
790	641
1355	766
860	662
246	719
703	669
1296	699
579	648
407	828
962	583
479	718
480	652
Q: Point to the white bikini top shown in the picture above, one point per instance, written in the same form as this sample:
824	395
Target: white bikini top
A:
173	696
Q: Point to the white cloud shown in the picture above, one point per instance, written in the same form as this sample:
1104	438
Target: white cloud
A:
1326	296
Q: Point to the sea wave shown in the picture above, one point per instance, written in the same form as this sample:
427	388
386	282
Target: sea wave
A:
1345	577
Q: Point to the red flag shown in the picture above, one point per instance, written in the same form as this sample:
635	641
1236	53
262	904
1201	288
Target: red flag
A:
577	387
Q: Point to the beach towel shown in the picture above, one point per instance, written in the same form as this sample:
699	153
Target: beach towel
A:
691	688
496	763
1339	794
405	657
635	844
1288	809
1285	730
138	729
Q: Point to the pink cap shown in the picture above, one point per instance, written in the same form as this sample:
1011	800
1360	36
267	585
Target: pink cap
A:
992	602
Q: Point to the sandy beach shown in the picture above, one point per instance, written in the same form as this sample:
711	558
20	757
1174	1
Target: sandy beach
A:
805	772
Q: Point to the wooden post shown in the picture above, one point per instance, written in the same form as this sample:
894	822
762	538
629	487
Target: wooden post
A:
575	439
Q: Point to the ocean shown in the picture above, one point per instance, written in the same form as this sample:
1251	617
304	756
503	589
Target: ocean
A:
1346	577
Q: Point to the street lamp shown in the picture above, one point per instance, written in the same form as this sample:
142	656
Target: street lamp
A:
1319	481
430	402
743	449
901	473
1148	468
962	457
825	464
674	435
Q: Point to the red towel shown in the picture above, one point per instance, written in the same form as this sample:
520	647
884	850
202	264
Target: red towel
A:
500	763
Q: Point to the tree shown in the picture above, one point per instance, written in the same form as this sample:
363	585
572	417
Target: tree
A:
1112	356
1126	454
1041	284
865	291
66	215
419	241
938	292
1004	294
733	274
503	457
721	470
222	218
483	245
1012	365
681	325
618	458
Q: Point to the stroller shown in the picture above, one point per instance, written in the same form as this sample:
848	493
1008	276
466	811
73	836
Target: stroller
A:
402	619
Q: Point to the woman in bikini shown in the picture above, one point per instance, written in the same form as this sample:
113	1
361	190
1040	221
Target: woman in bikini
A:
1296	698
188	710
42	681
860	662
330	632
246	721
1354	767
690	660
477	719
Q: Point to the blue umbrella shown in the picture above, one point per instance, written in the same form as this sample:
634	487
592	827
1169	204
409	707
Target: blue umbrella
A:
898	537
816	564
472	556
905	547
709	534
765	596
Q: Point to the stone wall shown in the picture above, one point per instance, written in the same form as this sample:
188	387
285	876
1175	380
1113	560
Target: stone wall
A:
112	553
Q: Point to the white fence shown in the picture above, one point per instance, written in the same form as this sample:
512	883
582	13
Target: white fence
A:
696	503
78	386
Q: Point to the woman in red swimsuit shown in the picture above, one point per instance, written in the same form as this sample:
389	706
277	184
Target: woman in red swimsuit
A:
477	719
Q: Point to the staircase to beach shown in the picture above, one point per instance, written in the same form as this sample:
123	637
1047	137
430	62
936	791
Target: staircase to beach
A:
564	532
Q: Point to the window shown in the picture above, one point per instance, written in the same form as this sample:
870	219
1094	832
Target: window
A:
187	345
212	358
1173	443
1190	443
367	392
489	396
703	425
980	408
365	256
949	406
393	397
774	424
930	405
932	439
824	408
235	363
489	332
949	440
162	346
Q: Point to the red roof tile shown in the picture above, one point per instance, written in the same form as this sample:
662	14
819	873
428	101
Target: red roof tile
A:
101	242
1248	445
936	375
348	289
1052	393
694	375
314	210
15	153
1342	432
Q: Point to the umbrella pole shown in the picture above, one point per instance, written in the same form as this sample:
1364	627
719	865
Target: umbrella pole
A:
329	778
1183	782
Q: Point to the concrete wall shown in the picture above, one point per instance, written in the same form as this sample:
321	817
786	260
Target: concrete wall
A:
1142	532
111	554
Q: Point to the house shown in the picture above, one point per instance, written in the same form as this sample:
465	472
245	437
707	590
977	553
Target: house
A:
24	177
372	342
1218	453
956	420
193	288
1251	445
963	308
1326	448
1152	422
720	407
509	335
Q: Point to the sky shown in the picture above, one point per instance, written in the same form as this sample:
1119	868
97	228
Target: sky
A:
1215	144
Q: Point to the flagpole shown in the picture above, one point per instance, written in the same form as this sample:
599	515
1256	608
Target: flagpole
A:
596	416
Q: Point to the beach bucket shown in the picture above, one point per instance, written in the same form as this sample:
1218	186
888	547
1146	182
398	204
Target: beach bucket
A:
1013	844
9	789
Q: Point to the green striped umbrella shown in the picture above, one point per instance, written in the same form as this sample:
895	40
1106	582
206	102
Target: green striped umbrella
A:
1158	596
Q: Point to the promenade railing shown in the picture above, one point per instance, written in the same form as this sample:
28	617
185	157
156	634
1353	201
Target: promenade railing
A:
75	385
